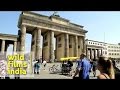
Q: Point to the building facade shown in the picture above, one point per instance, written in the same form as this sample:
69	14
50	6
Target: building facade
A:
70	37
112	50
96	48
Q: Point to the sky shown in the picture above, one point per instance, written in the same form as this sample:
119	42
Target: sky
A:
101	25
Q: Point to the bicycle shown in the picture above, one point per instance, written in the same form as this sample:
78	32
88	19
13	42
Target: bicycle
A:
54	69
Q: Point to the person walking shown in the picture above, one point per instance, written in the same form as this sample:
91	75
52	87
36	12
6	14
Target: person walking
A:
37	67
83	67
70	65
44	64
94	67
106	69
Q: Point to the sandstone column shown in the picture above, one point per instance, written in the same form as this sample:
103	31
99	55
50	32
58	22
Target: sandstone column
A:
3	46
33	44
101	52
38	40
66	45
84	45
94	53
81	45
90	53
15	46
51	46
18	40
98	53
76	46
86	51
22	38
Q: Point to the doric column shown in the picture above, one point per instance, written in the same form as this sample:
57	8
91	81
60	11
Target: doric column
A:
86	51
18	40
81	45
15	46
98	54
3	46
84	45
101	52
33	45
22	38
51	46
90	53
66	45
38	40
94	53
76	46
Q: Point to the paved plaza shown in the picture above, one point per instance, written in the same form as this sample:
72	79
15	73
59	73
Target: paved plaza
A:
45	74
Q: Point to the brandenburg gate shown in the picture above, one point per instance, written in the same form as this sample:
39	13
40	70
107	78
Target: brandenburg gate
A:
70	37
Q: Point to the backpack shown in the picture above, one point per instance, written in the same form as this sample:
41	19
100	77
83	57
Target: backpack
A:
35	65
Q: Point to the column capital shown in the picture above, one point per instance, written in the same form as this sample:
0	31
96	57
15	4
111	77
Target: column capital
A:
38	28
22	25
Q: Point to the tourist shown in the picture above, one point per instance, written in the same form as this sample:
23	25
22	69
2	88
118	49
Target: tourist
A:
83	68
106	69
44	64
94	67
117	71
70	65
37	67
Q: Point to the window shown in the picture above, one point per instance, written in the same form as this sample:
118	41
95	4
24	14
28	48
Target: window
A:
108	46
78	46
105	52
59	45
89	42
112	53
115	53
109	53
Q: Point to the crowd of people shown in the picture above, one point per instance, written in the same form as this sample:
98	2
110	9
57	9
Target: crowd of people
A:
107	68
